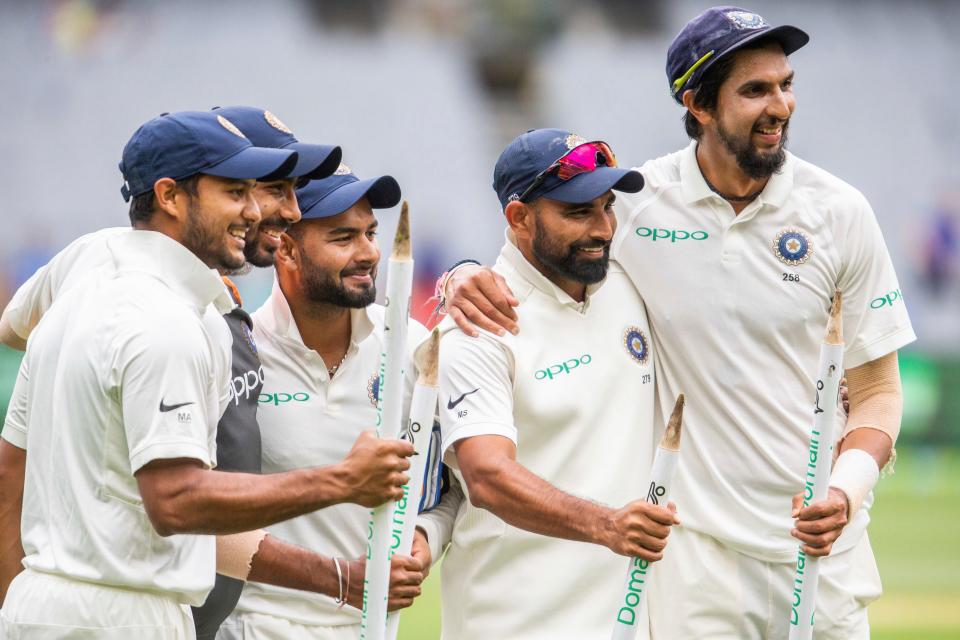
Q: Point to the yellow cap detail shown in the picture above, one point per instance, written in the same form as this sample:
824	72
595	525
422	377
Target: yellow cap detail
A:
682	80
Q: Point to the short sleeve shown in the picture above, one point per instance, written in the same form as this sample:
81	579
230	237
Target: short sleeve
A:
476	390
35	296
15	424
165	389
875	319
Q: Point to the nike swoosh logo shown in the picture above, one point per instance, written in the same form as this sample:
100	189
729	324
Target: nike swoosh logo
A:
451	403
170	407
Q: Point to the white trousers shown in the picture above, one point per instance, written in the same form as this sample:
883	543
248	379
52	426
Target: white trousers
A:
704	589
258	626
42	606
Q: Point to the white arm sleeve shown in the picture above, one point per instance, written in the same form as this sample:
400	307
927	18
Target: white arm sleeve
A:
438	523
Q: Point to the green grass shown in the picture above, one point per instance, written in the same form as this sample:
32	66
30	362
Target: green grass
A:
916	538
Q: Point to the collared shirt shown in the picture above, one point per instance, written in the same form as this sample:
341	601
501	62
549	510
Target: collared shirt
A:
574	392
308	419
738	305
122	370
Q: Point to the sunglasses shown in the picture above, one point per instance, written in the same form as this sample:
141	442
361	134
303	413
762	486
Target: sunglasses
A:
583	158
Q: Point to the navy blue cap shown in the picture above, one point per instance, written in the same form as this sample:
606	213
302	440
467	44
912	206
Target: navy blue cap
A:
179	145
266	130
533	151
714	34
334	195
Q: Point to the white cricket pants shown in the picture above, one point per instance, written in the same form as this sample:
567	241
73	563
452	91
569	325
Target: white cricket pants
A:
704	589
259	626
41	606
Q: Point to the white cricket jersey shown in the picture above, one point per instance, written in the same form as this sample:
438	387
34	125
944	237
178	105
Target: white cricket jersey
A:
121	371
308	419
574	392
83	256
738	306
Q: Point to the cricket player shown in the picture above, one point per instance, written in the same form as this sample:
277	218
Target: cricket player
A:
110	476
737	246
320	338
551	431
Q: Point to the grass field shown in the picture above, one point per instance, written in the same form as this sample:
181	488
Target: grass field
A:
916	538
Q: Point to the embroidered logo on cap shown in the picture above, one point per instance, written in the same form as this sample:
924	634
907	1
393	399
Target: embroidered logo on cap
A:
745	20
274	122
229	126
792	246
342	170
573	141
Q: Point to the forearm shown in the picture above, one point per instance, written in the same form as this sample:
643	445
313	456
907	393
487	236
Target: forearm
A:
437	523
521	498
875	442
12	465
215	502
286	565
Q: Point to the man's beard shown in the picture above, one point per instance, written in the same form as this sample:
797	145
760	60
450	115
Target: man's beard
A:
753	163
564	260
208	246
252	251
320	287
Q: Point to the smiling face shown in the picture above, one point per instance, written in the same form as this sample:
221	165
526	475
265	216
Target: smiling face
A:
337	257
753	110
278	210
217	220
569	243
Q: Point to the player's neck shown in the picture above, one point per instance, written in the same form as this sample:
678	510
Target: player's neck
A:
325	328
724	176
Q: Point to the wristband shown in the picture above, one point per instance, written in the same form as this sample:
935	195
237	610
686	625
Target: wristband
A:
855	473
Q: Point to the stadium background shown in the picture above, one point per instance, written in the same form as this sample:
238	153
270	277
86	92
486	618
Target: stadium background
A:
431	90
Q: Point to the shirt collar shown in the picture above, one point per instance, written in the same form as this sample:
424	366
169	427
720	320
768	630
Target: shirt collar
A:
173	264
695	187
361	324
511	257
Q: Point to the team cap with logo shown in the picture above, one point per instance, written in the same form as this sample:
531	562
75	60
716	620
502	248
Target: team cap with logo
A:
179	145
334	195
714	34
264	129
559	165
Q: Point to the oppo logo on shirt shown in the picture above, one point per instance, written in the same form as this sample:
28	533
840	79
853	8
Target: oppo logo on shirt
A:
282	398
563	368
243	385
886	300
673	235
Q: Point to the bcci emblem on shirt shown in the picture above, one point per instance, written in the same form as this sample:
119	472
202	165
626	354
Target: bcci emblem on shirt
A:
636	344
373	389
792	246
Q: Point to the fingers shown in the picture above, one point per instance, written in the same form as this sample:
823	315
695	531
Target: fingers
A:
507	293
465	325
478	318
405	579
822	509
658	514
797	503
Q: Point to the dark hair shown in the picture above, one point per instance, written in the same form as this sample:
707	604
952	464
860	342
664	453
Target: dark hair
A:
706	93
143	205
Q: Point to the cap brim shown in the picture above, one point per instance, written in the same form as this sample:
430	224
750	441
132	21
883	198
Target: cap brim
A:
587	186
315	161
255	163
381	193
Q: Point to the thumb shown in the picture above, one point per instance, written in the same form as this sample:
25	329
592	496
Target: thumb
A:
797	503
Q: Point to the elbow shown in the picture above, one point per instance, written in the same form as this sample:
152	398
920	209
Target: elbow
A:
484	487
167	520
